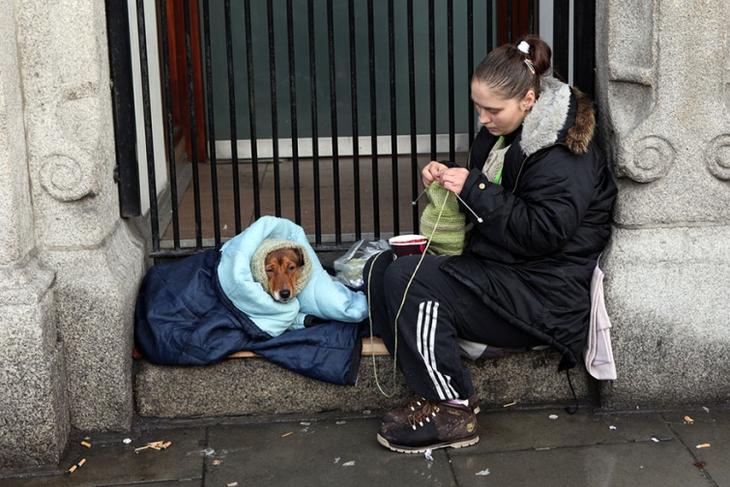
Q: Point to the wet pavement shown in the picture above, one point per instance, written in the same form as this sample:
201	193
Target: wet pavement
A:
538	447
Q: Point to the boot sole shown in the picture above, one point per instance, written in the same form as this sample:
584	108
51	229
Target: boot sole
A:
473	440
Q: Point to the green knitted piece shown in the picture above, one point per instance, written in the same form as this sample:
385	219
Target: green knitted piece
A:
448	239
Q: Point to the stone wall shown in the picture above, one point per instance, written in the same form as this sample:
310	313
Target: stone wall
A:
664	84
64	66
34	420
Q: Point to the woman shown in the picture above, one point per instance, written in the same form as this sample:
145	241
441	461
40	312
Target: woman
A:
541	195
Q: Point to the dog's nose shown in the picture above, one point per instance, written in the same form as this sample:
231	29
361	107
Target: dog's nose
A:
284	293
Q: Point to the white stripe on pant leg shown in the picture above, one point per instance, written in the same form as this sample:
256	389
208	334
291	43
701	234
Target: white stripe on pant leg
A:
422	337
419	322
432	352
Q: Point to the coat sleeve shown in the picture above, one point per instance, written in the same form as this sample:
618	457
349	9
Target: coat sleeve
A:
554	194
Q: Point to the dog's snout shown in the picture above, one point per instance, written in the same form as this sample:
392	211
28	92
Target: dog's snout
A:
285	293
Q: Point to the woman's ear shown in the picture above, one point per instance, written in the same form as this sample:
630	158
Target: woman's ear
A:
528	101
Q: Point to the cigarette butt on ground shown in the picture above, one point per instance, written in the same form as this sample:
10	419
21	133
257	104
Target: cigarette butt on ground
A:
287	434
703	445
86	444
513	403
688	420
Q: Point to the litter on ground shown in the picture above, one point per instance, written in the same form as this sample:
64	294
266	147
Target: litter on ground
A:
351	463
703	445
127	441
513	403
553	416
367	412
337	460
428	455
287	434
483	473
305	423
76	466
86	444
154	445
688	420
707	410
612	427
232	484
217	461
655	439
340	422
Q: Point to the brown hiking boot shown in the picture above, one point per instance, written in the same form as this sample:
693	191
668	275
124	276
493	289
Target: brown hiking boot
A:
400	415
434	425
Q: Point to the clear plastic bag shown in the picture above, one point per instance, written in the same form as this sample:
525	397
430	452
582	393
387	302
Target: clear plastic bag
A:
349	267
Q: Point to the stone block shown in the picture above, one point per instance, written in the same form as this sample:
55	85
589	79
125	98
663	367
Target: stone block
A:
96	291
667	295
255	386
34	421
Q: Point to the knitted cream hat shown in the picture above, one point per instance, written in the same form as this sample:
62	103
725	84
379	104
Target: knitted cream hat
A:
448	239
258	262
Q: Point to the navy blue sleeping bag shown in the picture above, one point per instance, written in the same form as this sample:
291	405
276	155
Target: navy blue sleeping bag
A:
183	317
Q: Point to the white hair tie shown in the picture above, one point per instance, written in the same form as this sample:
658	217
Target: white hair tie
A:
524	48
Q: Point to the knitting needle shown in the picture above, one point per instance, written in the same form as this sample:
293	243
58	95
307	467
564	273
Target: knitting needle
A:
479	219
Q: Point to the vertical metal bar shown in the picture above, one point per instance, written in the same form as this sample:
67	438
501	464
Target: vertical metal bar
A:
355	132
450	63
393	120
232	116
470	65
293	103
333	118
509	21
584	46
193	125
315	134
412	105
373	121
561	16
211	124
126	172
432	75
274	111
252	110
490	25
151	180
170	132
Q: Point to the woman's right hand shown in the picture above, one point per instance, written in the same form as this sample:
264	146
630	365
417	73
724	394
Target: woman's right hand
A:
431	172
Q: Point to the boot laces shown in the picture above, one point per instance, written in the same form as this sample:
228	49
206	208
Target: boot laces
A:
423	415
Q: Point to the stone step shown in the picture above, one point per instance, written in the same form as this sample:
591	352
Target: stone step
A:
246	384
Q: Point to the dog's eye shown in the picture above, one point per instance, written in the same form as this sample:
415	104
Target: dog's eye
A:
269	270
292	268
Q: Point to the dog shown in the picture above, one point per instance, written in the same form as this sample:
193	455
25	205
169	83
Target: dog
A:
282	272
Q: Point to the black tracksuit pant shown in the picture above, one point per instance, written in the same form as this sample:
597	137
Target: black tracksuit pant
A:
437	310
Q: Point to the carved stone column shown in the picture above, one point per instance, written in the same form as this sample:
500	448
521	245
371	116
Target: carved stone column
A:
33	409
664	94
98	262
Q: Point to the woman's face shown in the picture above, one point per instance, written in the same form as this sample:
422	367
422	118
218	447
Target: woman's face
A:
499	115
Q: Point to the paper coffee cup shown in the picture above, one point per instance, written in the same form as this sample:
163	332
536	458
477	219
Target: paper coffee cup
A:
408	244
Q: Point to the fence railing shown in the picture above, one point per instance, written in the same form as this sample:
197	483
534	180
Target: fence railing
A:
319	111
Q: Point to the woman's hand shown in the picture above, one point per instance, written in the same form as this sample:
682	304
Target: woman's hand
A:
432	172
454	178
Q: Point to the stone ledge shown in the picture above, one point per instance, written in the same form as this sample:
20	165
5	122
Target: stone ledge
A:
254	386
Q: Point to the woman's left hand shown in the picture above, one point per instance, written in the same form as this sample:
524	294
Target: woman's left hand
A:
454	178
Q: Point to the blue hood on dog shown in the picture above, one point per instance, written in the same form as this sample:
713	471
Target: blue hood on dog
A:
322	296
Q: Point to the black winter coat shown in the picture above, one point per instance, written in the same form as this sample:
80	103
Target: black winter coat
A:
532	258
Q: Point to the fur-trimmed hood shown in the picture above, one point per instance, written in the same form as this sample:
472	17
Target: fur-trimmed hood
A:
558	117
258	262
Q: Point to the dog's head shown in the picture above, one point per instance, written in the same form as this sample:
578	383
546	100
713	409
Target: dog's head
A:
282	272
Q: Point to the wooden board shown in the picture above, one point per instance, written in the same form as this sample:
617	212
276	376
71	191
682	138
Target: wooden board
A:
377	348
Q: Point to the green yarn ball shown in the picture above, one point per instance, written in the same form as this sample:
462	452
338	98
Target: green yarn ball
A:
448	239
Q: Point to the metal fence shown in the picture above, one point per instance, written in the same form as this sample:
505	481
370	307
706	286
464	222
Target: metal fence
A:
319	111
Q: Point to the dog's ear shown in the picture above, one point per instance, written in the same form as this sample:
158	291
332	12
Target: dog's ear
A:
300	255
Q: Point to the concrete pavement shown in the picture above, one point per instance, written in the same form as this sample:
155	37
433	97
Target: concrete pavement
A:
517	448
